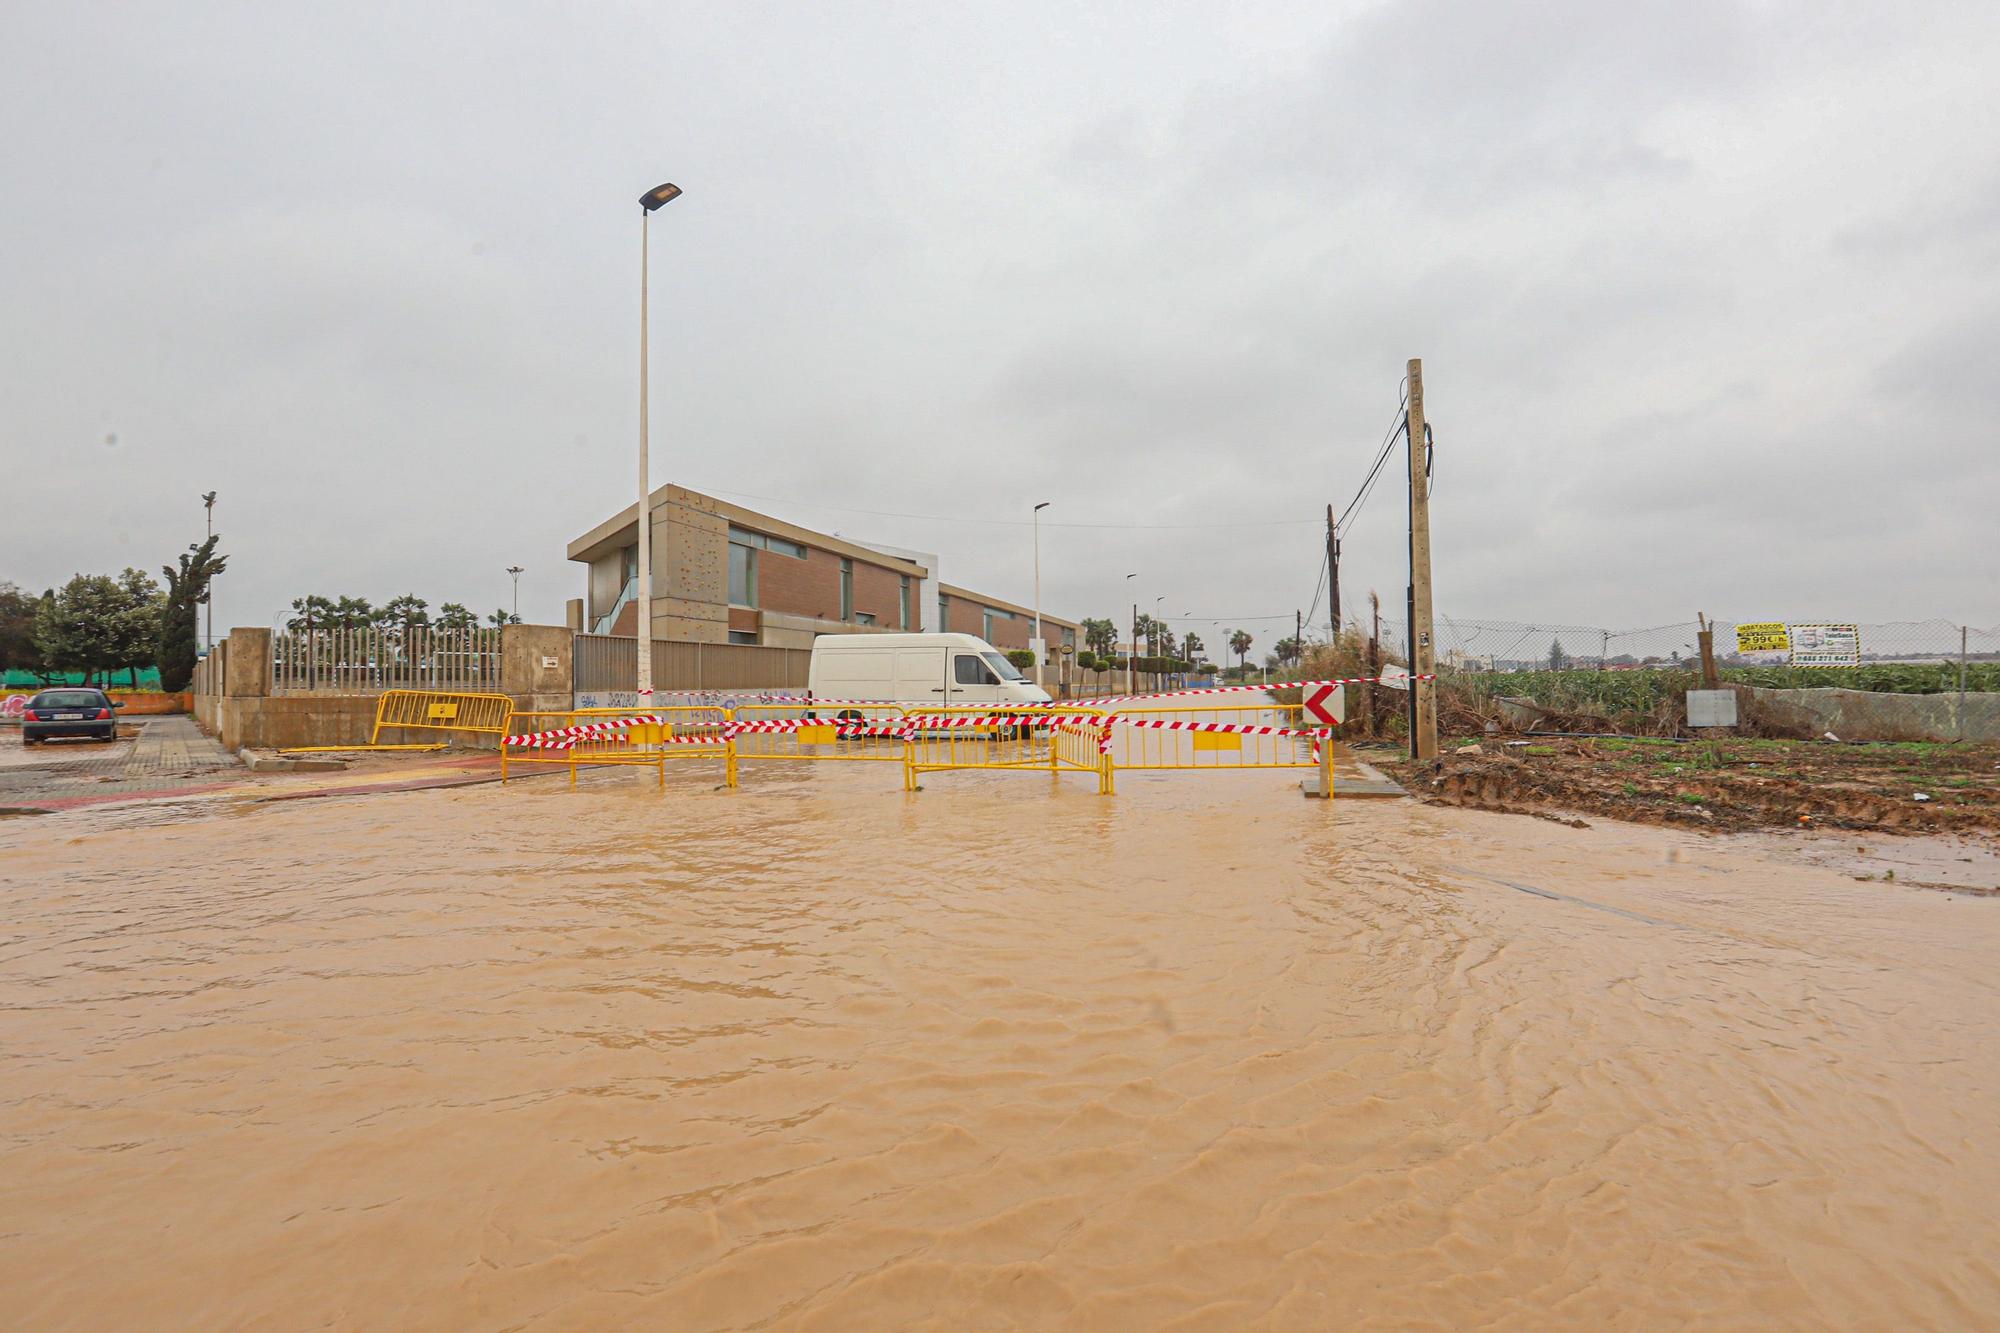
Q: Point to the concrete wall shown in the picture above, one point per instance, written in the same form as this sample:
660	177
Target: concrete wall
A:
535	672
1862	715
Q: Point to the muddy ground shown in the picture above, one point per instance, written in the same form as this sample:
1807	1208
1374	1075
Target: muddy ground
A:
1726	786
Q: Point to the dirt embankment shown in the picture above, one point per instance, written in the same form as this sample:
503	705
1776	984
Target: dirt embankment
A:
1724	786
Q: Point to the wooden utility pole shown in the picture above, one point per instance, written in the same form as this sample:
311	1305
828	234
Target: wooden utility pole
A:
1705	639
1298	635
1332	578
1423	653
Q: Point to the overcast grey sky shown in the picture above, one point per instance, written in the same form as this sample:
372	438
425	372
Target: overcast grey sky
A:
1708	295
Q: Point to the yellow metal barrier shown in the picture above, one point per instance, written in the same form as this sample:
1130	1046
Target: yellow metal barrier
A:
1165	748
1055	740
684	732
812	732
426	710
1052	739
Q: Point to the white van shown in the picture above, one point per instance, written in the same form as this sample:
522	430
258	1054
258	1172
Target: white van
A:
917	670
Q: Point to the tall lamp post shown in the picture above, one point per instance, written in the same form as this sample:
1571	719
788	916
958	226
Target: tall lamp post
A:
1132	657
515	570
1041	648
657	197
207	593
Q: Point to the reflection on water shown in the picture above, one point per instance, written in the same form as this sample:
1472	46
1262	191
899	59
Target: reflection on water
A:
1004	1053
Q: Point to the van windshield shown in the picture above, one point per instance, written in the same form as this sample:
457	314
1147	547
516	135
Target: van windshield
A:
1001	666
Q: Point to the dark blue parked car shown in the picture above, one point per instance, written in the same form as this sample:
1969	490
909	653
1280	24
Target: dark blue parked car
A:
69	712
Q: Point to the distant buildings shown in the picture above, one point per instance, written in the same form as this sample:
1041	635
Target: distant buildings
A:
726	574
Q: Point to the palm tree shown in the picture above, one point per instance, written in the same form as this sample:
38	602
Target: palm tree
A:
1192	646
351	613
1100	636
313	613
502	617
407	613
1239	643
453	616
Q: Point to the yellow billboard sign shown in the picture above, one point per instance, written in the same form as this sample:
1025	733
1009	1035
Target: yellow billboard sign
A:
1763	637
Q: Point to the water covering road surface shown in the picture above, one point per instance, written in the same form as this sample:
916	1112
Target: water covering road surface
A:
1000	1054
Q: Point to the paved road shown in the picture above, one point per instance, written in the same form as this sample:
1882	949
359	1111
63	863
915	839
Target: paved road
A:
169	756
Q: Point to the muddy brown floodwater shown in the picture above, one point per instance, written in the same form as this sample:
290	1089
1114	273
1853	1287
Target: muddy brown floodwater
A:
818	1054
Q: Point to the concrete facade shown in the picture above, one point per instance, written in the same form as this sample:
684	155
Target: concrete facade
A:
798	583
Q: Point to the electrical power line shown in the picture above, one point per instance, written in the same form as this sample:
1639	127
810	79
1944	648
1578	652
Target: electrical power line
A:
1396	428
1007	522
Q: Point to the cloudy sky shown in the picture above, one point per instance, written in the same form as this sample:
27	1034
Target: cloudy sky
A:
1708	295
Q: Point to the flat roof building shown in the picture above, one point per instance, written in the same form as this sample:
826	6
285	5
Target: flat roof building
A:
726	574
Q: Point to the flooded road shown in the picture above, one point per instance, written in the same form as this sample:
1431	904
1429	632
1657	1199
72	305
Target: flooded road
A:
1000	1054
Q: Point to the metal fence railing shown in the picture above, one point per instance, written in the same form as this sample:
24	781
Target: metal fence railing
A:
608	663
369	661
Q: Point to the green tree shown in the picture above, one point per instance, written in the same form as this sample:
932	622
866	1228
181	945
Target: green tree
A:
79	628
351	613
310	614
453	616
1289	651
1558	659
136	634
187	588
406	614
1100	636
17	630
1239	643
1192	646
499	618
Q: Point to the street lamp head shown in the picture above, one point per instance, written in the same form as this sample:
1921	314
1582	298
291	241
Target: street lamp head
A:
1043	505
658	196
514	569
208	499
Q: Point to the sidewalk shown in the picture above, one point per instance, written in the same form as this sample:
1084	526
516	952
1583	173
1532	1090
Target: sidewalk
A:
169	757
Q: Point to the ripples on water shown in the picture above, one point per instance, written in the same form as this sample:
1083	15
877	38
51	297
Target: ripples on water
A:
996	1055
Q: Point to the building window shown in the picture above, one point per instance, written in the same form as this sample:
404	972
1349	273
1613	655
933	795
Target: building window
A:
846	589
906	603
993	615
742	575
864	617
944	614
757	541
742	636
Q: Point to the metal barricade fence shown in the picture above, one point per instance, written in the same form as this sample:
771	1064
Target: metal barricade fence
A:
985	736
1056	740
844	733
604	737
1171	737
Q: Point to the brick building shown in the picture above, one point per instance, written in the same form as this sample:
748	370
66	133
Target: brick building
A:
726	574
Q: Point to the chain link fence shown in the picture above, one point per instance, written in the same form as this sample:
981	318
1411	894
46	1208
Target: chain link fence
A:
1473	645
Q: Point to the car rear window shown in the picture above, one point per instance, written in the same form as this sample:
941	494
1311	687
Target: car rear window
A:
67	699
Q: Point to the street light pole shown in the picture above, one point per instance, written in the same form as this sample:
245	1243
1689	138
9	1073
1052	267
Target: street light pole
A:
1132	656
515	570
657	197
208	591
1041	647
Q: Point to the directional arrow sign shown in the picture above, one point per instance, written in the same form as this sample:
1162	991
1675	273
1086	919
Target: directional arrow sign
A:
1324	705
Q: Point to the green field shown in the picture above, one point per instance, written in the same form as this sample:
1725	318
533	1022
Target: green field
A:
1643	691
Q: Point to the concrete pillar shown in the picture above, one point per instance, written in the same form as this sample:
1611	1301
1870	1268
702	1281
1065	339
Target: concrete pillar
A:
247	665
535	665
573	614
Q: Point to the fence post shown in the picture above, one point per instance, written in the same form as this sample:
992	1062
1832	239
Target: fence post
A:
1963	634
